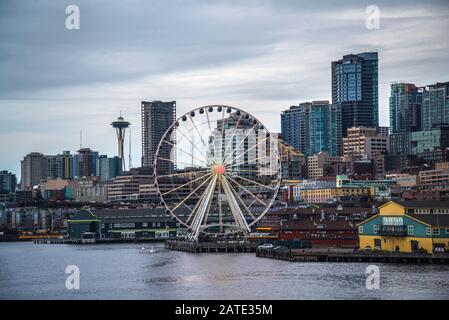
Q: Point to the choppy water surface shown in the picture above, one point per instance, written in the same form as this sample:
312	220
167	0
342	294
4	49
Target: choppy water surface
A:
124	271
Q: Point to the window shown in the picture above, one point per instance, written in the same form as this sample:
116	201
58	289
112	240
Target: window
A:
360	229
376	228
447	231
392	221
428	231
436	232
410	229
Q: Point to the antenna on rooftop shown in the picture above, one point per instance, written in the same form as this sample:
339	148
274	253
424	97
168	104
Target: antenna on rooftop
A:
130	165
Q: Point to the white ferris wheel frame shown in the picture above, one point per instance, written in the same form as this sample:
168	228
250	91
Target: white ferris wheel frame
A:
235	202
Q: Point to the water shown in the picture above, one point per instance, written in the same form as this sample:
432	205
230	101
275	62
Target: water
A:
124	271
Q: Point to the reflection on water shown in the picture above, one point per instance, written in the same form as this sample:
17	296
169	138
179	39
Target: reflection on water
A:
124	271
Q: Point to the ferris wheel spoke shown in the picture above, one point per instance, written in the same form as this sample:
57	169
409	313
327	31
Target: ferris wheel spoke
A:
176	162
208	207
192	212
245	170
254	182
211	135
233	205
181	174
236	194
241	141
249	149
230	165
198	132
192	144
252	203
202	208
186	184
222	136
247	191
220	209
191	193
185	152
232	136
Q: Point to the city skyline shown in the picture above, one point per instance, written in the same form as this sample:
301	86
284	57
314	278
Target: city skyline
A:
265	71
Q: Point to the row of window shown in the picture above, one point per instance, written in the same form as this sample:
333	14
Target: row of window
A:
410	230
429	211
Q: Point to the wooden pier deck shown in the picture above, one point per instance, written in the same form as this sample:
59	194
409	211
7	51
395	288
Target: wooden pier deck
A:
341	255
211	247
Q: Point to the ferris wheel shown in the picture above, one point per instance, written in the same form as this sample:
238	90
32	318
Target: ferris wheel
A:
217	169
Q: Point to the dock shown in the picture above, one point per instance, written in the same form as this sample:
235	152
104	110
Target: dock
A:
342	255
211	247
97	241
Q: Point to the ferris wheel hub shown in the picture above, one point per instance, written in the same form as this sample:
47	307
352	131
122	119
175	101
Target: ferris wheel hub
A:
219	169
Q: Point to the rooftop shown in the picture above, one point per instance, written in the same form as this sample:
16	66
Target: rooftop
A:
424	204
441	220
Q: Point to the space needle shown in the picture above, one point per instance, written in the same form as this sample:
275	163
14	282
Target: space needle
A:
120	126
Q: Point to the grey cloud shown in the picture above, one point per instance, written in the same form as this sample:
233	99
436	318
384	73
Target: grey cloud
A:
261	54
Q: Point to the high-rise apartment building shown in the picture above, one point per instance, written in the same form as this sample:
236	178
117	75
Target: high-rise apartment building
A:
355	88
157	117
405	107
8	182
435	105
67	164
55	166
429	140
290	127
313	127
405	116
86	162
33	170
108	168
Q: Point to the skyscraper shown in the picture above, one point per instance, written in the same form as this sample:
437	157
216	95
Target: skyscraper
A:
33	170
355	88
290	127
405	116
435	105
108	168
55	166
8	182
313	127
157	117
87	162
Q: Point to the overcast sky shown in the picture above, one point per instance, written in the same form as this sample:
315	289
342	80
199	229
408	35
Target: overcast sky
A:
262	56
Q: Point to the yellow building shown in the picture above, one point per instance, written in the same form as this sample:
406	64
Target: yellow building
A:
323	195
394	228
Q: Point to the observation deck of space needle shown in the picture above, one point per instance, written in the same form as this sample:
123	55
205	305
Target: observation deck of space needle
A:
217	170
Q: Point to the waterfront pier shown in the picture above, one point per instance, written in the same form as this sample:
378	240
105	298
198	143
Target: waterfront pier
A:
341	255
225	246
98	241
